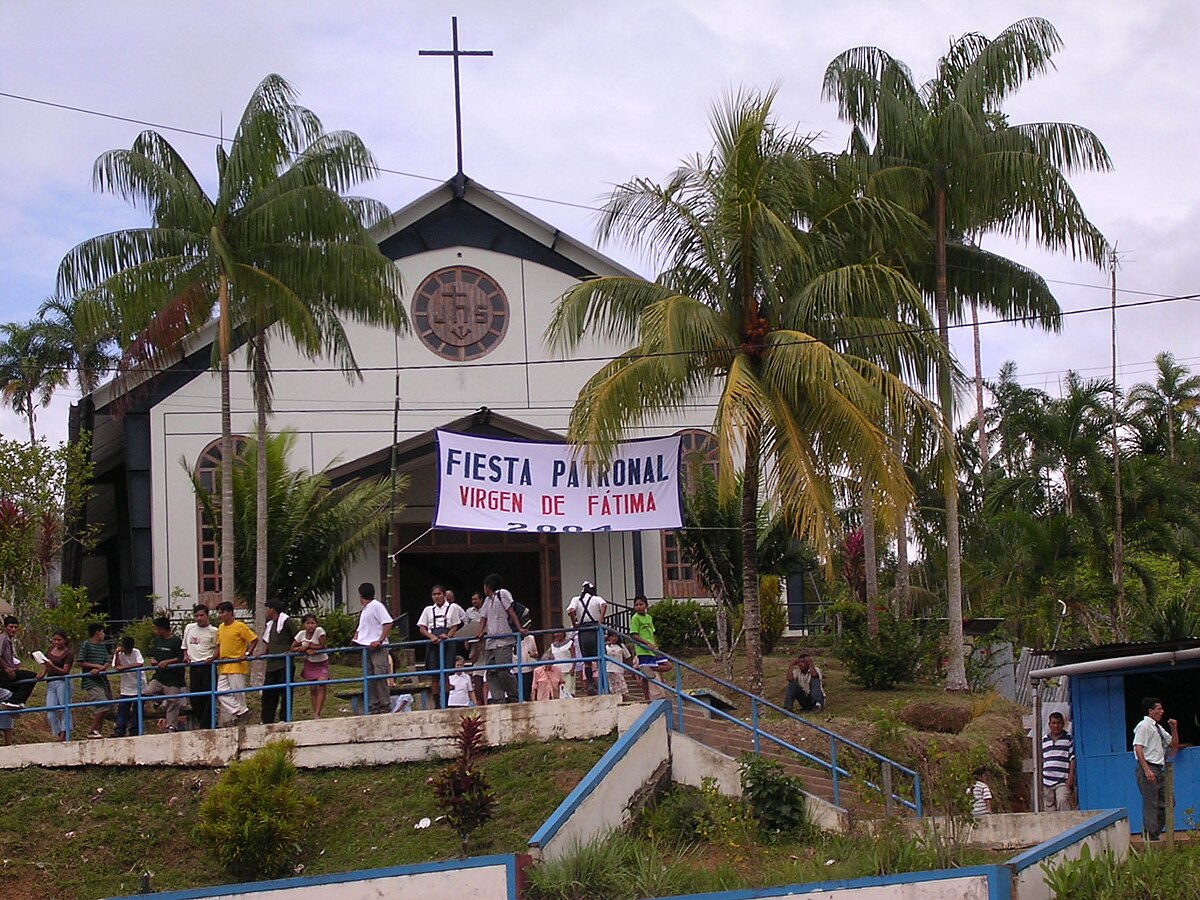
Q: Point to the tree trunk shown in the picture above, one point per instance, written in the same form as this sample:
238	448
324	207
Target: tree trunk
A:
980	424
751	617
723	649
32	435
870	560
261	403
956	670
228	591
903	583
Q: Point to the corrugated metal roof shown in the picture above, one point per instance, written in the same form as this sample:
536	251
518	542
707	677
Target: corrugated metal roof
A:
1031	660
1067	655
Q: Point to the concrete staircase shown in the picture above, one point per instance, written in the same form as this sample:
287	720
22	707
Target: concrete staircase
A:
734	741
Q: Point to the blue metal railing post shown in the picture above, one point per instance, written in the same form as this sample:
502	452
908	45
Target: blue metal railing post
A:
679	699
287	686
138	701
601	662
212	693
441	674
365	671
754	726
917	794
520	671
67	706
833	768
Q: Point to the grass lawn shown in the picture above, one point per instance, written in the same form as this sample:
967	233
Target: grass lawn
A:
84	833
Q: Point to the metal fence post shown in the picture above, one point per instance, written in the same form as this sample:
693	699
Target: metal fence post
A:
833	768
140	714
67	706
754	725
441	674
601	662
679	697
287	686
887	788
212	693
366	701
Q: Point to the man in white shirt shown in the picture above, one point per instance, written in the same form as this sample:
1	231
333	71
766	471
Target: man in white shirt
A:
438	624
1151	744
587	610
200	646
374	626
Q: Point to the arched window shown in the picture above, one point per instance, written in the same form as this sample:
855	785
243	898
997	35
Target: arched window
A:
698	448
208	471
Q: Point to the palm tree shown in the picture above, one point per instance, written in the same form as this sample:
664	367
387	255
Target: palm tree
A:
1173	398
776	318
315	530
32	368
946	151
89	352
278	246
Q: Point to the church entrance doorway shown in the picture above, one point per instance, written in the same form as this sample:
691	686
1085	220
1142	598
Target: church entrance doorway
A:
459	560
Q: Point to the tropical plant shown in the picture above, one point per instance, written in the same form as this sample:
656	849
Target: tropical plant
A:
70	326
711	543
32	368
276	247
765	302
947	152
462	789
316	529
1172	400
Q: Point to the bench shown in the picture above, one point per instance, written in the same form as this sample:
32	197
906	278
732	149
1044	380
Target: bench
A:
422	695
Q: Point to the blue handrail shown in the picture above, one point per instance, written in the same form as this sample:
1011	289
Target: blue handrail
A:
522	664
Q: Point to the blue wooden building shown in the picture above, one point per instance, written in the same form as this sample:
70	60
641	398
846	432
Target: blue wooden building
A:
1107	685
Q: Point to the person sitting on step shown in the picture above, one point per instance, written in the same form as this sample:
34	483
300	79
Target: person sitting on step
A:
804	685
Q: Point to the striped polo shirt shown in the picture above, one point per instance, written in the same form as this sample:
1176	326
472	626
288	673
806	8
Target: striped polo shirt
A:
1057	754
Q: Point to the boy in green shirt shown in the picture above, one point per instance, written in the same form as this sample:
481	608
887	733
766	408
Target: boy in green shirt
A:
645	645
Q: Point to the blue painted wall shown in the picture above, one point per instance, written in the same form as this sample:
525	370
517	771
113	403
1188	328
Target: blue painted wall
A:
1104	761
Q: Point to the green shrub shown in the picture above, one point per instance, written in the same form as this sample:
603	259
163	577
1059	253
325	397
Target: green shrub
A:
881	662
681	625
776	798
142	631
773	612
1145	873
72	614
339	627
254	818
685	815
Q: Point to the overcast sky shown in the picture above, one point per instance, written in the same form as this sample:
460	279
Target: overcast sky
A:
580	96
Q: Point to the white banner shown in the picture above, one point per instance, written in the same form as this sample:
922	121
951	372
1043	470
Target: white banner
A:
485	484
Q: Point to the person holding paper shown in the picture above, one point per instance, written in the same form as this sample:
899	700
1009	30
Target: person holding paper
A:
56	664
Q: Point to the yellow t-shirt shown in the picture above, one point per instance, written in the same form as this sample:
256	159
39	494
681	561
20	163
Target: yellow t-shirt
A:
232	641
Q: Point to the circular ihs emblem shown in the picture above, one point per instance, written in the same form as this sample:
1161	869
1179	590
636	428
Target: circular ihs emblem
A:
460	313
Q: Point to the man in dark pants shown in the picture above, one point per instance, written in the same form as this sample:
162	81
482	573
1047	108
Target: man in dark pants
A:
374	627
1151	745
200	646
280	633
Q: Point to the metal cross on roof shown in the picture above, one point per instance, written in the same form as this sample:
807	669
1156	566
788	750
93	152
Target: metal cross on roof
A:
455	53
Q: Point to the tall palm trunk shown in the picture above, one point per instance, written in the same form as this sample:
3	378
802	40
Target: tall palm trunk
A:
956	671
261	402
903	583
870	560
29	416
751	618
228	591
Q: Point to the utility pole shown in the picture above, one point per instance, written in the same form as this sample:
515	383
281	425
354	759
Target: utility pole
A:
1118	561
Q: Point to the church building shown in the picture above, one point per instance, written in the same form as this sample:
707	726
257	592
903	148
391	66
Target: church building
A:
481	277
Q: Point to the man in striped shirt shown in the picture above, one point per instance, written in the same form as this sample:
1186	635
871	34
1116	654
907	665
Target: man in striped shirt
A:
1058	766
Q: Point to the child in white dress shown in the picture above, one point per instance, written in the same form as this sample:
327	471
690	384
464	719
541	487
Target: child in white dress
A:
615	652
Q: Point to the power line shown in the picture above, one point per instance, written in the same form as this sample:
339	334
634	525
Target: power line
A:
901	331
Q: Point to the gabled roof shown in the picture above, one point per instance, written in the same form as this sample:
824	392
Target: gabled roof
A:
468	214
482	422
455	214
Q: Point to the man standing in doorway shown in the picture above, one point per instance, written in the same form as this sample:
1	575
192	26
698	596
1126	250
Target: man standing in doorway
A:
1058	766
374	626
499	622
1151	744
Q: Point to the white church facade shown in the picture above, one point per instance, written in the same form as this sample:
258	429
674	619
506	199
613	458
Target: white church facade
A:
481	277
